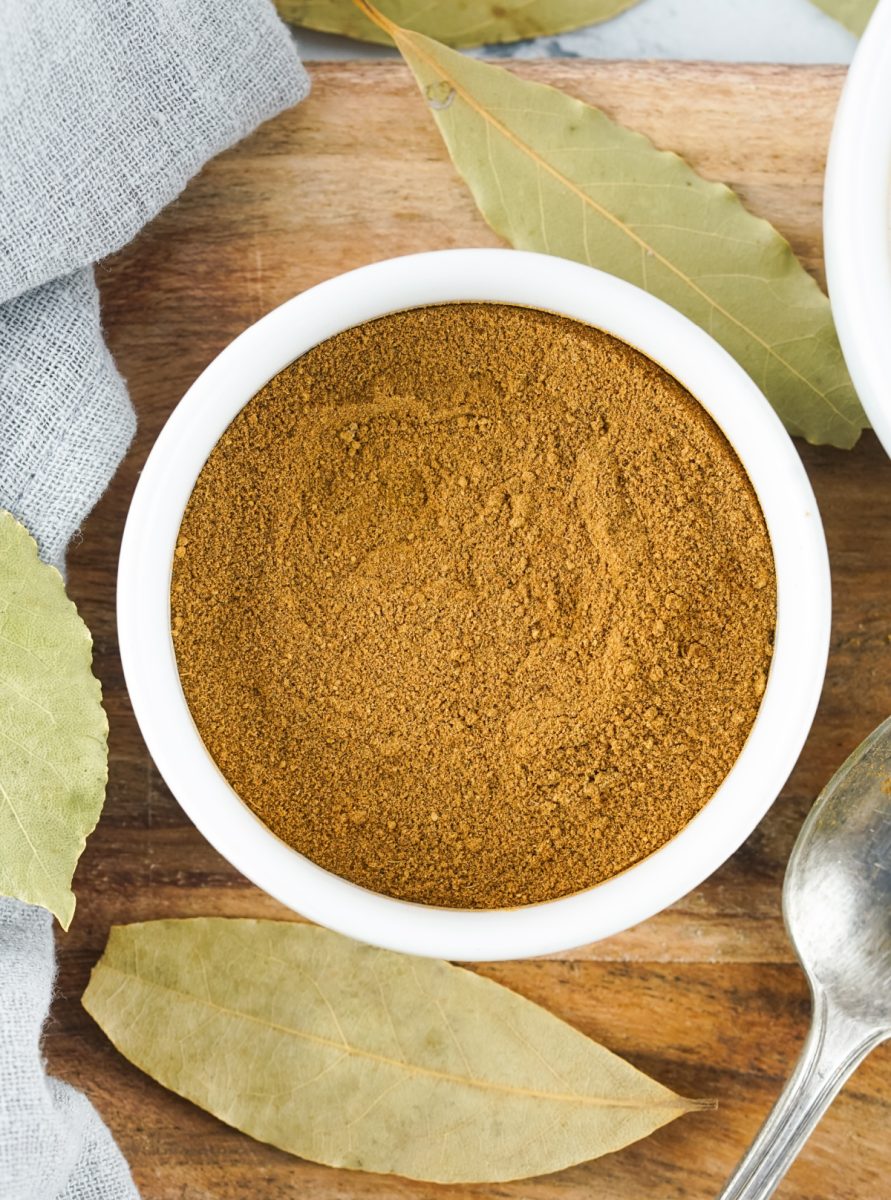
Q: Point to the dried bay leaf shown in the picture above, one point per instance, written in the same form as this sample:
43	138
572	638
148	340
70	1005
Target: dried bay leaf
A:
362	1058
472	23
53	729
853	14
552	174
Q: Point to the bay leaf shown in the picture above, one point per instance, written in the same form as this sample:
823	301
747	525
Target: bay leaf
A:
853	14
53	753
471	23
362	1058
552	174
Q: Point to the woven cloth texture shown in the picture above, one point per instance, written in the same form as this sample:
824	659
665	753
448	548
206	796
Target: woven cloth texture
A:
107	108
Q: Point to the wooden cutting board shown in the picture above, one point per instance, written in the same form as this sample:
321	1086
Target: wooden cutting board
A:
706	997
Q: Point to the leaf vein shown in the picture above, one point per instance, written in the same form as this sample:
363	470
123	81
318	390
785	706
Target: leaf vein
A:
671	1103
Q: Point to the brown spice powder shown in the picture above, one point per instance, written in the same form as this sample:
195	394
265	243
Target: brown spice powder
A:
473	605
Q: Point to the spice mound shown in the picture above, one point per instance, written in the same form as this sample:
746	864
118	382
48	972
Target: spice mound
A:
473	605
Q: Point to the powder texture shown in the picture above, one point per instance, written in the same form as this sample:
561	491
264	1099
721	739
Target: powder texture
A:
473	605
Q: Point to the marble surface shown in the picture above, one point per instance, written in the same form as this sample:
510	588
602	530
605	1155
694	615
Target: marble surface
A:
789	31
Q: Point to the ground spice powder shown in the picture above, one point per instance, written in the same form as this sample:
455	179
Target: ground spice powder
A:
473	605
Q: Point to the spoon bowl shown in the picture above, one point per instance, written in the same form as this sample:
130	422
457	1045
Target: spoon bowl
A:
837	893
837	905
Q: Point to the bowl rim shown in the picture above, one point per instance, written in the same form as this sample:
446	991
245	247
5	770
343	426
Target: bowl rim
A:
857	221
536	281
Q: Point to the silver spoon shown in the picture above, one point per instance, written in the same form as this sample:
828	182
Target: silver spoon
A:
837	905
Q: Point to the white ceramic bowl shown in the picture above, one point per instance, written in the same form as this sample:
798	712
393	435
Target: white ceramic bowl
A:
536	281
856	219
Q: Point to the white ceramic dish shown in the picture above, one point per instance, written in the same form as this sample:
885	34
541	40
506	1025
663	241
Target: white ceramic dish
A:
537	281
856	220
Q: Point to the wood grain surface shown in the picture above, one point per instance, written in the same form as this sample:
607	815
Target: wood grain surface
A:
707	996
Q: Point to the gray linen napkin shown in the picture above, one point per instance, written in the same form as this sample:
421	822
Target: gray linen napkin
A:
107	108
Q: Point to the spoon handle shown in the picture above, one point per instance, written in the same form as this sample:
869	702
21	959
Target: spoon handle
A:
835	1046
